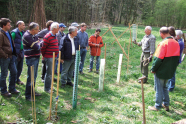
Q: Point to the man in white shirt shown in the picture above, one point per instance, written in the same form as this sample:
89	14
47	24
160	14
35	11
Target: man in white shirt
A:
70	44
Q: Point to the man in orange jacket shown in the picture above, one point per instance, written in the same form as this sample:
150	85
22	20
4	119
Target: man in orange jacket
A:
95	42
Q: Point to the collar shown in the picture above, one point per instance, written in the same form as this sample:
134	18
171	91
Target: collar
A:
70	36
52	34
169	37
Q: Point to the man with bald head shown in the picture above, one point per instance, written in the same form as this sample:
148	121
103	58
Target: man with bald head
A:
17	35
147	45
165	62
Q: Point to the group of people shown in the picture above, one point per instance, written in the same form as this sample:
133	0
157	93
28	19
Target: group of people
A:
19	44
166	59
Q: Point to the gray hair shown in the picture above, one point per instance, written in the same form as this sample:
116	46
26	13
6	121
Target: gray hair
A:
179	33
71	29
19	22
33	25
148	27
54	26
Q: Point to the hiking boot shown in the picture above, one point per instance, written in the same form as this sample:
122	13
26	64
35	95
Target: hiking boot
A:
63	86
20	83
81	72
152	108
7	94
70	84
14	92
165	107
90	70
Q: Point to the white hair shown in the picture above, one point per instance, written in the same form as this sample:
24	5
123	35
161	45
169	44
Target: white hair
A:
54	25
148	27
179	33
72	29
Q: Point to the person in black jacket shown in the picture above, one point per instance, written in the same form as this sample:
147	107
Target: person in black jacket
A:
17	35
69	46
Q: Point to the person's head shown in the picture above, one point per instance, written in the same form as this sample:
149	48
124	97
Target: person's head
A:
75	24
164	32
20	25
72	31
97	32
148	30
179	34
83	27
62	27
33	28
48	24
54	27
172	31
5	24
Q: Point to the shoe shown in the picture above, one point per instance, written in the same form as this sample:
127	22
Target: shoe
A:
37	94
55	80
166	107
90	70
81	72
29	99
140	82
14	92
97	71
70	84
7	94
152	108
49	91
63	86
20	83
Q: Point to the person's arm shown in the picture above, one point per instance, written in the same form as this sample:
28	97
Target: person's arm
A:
152	42
62	46
45	44
13	35
3	54
90	42
101	43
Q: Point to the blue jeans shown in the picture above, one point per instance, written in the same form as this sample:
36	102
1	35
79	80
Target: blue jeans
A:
97	62
48	75
31	61
171	83
83	55
8	64
162	94
19	66
67	72
56	67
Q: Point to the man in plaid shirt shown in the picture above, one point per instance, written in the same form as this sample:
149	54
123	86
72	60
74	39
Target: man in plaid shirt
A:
148	48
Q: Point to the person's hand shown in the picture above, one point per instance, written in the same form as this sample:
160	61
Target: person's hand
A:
97	45
150	59
134	42
152	72
62	61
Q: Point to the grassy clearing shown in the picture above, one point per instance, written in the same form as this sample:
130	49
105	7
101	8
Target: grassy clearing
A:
119	103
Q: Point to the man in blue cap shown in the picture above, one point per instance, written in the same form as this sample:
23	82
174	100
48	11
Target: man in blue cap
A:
59	35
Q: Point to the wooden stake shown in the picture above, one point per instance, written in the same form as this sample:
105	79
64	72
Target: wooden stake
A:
106	32
121	35
51	90
143	102
119	44
119	68
32	93
58	74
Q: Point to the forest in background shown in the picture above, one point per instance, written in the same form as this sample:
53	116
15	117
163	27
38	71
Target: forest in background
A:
144	12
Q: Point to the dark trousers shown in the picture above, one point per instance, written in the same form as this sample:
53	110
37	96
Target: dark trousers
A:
43	72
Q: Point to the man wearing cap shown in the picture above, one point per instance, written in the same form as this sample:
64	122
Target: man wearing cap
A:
17	35
83	41
75	24
59	35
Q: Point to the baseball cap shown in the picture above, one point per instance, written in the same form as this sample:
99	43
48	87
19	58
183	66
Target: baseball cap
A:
62	25
75	24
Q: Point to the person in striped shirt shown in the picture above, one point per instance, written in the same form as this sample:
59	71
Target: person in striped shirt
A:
50	45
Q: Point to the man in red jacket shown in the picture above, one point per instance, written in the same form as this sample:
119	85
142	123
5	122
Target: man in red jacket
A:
95	42
50	45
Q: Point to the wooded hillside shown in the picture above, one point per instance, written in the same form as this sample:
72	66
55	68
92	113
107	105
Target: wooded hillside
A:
146	12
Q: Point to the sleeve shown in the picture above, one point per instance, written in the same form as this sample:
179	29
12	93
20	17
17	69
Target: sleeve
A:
3	54
152	45
101	43
62	45
45	44
13	35
87	40
90	42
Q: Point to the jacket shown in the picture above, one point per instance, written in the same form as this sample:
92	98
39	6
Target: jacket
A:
5	46
66	47
166	58
18	39
94	50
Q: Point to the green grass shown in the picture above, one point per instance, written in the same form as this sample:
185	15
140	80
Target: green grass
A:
118	103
